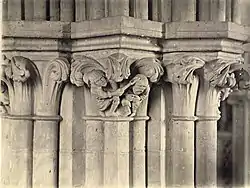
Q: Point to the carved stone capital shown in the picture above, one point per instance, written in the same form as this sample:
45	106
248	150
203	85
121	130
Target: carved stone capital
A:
217	81
119	84
55	76
17	78
181	69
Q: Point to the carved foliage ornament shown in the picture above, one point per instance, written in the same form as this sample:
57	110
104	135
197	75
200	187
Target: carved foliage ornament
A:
181	70
220	73
15	77
18	73
55	76
120	84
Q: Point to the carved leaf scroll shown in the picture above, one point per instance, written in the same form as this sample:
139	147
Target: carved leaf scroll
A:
220	72
118	67
16	78
150	67
80	68
181	70
55	75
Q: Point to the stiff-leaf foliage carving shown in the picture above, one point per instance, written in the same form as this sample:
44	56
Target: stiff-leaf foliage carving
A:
15	81
181	70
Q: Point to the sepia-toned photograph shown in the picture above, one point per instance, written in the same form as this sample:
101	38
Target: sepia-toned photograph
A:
125	94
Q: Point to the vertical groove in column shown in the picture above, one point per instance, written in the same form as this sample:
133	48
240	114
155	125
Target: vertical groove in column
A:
165	10
246	142
80	10
40	10
118	7
67	10
236	11
54	6
14	10
229	10
5	10
238	142
204	10
184	10
95	9
139	9
28	9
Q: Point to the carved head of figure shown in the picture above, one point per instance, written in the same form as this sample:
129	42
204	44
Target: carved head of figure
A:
97	78
141	85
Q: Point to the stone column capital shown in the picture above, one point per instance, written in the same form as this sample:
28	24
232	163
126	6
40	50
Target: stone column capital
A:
17	78
181	69
55	76
118	83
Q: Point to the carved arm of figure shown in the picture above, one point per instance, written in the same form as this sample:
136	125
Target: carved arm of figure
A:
120	91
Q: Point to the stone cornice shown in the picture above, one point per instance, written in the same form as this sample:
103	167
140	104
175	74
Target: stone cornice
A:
123	33
204	30
36	29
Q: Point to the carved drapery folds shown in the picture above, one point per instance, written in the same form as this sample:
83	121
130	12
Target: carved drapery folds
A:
120	84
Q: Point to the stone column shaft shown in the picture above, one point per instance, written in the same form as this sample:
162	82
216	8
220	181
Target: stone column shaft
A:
40	10
183	10
29	9
14	10
16	152
118	8
206	136
94	153
95	9
116	154
138	149
45	152
80	10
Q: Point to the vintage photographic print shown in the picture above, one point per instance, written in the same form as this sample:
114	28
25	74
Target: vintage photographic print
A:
125	94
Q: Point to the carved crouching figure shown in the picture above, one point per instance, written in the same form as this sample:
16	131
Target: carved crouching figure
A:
4	102
106	95
135	95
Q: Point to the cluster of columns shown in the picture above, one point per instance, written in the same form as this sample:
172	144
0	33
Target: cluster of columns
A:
115	151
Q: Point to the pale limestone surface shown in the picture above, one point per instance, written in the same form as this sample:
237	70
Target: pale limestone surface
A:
54	134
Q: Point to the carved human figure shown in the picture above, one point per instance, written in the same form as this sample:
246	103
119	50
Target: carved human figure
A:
107	97
4	101
135	95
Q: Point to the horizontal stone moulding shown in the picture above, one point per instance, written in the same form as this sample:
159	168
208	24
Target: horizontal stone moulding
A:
100	118
183	118
32	117
119	119
208	118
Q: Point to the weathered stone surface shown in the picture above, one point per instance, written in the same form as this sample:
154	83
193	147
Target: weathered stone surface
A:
120	44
